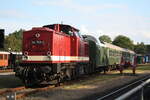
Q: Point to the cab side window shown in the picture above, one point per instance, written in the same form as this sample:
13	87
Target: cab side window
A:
66	30
70	33
78	34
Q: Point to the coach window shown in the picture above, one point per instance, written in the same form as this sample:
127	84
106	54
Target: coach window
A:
5	57
120	54
116	53
110	52
1	56
113	53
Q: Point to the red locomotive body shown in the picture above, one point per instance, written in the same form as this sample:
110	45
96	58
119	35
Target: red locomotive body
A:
53	52
48	45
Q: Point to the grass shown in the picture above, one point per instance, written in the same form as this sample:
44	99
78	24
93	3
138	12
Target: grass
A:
90	82
146	67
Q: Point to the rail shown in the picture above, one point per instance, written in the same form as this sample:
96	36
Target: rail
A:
121	89
131	92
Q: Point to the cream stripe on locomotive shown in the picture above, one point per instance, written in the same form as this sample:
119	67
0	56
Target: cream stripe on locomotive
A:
56	58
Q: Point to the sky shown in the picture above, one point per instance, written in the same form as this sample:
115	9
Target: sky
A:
93	17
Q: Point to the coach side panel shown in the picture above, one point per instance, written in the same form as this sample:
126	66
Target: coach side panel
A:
3	60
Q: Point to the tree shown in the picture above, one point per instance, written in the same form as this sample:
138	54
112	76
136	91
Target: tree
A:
124	42
105	38
14	41
140	48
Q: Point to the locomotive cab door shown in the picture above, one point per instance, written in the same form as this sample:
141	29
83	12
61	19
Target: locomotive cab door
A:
75	44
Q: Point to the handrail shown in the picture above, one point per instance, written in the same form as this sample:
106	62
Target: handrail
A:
131	92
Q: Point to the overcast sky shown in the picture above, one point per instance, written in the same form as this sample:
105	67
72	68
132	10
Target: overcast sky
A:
97	17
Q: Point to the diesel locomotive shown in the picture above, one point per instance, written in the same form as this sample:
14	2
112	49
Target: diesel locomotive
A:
59	52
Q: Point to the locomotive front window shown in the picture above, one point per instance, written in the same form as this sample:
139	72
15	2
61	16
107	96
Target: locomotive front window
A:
37	42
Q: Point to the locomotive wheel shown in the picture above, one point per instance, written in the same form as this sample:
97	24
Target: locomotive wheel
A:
27	79
69	74
59	80
27	83
30	78
73	74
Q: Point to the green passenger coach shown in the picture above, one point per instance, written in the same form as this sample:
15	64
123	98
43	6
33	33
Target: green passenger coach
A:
105	56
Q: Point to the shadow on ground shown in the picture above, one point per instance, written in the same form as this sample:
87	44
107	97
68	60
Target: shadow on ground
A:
9	81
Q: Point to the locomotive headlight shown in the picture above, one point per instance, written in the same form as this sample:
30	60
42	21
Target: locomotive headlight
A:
48	53
25	53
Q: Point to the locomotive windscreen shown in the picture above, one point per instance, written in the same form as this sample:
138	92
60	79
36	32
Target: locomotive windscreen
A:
1	38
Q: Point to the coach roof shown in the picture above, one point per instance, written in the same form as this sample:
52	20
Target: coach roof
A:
109	45
4	52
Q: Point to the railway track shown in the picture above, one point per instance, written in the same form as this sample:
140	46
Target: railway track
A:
32	91
4	93
21	92
118	92
11	90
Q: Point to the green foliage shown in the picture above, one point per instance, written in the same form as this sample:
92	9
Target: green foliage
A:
105	38
140	48
124	42
14	41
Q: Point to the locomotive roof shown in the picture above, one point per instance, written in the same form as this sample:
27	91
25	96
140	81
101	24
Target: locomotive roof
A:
51	26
